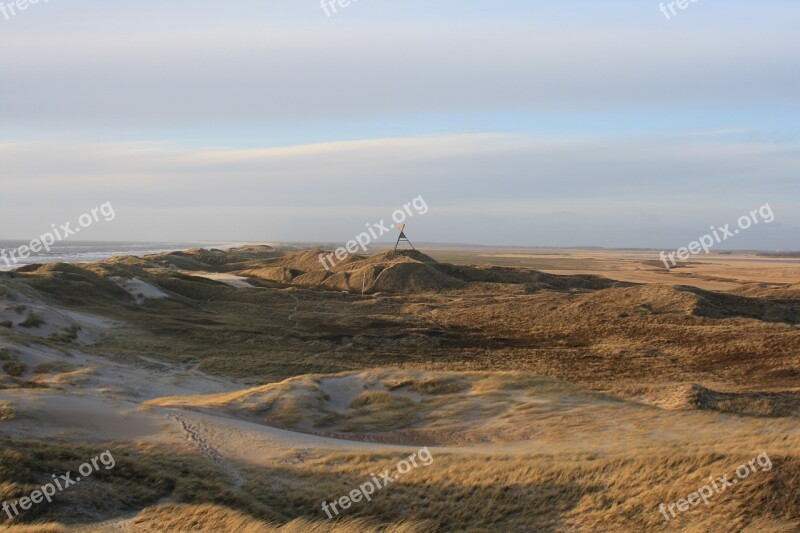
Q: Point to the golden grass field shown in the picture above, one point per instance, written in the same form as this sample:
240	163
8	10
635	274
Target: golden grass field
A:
557	390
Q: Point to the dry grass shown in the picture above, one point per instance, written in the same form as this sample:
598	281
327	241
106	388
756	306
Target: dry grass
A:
616	493
73	377
53	367
529	493
182	518
438	386
7	411
373	399
280	404
498	348
14	368
206	517
438	408
143	475
34	528
32	321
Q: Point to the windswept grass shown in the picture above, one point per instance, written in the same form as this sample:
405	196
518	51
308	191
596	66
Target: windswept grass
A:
32	321
527	493
374	399
184	518
142	476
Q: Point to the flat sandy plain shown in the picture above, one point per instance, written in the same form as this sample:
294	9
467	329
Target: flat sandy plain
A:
556	390
713	271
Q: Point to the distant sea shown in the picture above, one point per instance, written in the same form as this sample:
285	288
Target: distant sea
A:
90	252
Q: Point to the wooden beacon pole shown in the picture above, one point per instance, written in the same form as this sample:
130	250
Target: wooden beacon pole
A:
402	237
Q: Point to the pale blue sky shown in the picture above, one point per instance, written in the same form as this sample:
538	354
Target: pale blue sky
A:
526	123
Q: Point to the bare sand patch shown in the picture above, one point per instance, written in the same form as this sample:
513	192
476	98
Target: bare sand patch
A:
52	414
140	289
227	278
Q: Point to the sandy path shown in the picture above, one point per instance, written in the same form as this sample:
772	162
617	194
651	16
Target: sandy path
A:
291	318
193	434
234	440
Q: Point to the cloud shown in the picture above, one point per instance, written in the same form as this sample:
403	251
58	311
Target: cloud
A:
329	190
147	77
192	77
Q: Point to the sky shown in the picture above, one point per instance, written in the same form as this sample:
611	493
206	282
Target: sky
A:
527	123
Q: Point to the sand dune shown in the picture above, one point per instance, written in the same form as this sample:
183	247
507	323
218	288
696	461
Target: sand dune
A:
248	384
